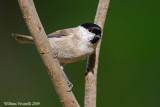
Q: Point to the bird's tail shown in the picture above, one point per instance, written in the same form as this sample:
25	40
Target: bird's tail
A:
23	38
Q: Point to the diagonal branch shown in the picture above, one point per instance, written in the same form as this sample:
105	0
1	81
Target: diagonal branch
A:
54	71
92	63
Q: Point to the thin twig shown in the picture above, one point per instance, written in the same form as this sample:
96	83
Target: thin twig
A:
54	71
92	63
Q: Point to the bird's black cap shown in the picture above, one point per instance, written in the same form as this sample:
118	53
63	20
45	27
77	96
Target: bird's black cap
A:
92	28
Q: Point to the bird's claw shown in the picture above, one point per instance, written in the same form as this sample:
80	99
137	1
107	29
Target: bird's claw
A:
56	55
70	86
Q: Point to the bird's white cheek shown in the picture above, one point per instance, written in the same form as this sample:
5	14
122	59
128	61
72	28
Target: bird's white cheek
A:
85	35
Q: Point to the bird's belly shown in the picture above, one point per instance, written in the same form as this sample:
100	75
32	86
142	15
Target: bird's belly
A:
65	60
71	51
70	57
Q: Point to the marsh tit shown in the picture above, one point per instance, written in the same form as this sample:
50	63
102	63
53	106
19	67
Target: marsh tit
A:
73	44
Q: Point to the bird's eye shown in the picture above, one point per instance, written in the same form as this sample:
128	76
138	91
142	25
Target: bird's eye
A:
96	31
90	30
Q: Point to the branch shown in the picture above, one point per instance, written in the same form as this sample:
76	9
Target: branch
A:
92	62
54	71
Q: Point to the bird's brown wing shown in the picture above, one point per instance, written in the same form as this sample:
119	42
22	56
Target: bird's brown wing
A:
60	33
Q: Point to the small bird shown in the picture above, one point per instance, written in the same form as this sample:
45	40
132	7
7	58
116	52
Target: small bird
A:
72	44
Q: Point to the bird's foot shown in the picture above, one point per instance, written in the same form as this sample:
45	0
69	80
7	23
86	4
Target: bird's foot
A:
56	55
70	86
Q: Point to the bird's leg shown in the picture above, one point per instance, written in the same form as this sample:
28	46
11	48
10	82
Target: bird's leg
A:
69	83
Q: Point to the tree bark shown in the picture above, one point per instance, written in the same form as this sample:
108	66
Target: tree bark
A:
92	62
54	71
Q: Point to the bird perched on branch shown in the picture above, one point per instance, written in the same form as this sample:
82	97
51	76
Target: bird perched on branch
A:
72	44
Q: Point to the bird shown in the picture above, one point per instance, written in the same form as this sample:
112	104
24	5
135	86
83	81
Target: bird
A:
72	44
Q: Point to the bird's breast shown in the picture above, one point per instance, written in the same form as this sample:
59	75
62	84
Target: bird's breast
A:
70	51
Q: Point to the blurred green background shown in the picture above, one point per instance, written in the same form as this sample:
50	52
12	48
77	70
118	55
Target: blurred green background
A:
129	68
